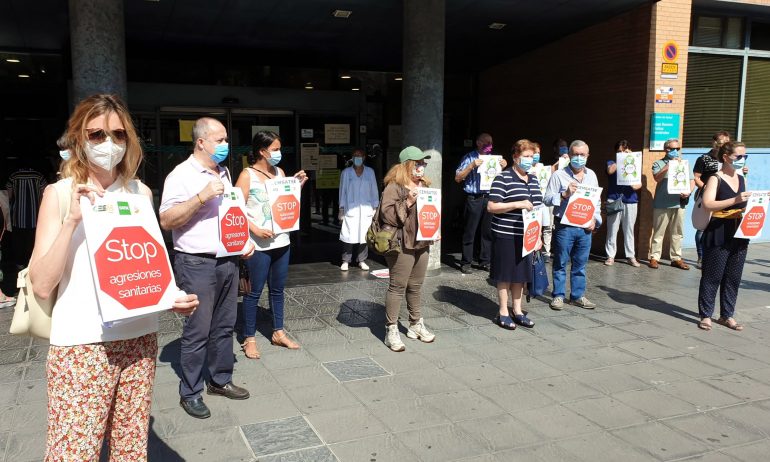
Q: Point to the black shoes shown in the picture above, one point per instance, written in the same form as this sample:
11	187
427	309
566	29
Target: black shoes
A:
465	268
484	267
196	408
228	391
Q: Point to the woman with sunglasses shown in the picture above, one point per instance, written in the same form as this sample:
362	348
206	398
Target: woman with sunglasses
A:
724	255
100	379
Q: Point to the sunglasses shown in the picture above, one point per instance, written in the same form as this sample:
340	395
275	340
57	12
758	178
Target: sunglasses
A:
743	156
98	135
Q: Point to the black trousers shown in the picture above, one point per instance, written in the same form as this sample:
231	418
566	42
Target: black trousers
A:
23	243
475	214
722	268
207	338
330	197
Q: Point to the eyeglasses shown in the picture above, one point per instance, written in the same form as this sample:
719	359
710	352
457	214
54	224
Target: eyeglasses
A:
98	135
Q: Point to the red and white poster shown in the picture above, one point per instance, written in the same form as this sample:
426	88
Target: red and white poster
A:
283	196
233	225
129	261
532	227
754	218
581	206
428	214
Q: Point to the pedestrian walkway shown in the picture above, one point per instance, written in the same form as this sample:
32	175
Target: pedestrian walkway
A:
632	380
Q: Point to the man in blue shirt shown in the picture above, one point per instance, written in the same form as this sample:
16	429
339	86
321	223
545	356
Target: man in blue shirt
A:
475	204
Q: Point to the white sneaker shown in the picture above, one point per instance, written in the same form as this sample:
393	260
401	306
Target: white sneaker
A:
344	266
363	266
393	338
418	331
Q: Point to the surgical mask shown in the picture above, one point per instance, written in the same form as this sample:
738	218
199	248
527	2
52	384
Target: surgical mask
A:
358	161
536	158
418	171
105	155
487	149
672	154
577	162
275	158
525	163
220	152
563	150
65	154
739	163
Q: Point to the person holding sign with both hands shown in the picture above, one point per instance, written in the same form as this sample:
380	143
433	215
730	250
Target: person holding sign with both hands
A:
271	261
513	191
99	378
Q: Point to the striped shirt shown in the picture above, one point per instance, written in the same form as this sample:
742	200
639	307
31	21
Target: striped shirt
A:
25	187
508	187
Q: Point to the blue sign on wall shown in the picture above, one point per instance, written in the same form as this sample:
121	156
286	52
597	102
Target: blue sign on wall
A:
663	126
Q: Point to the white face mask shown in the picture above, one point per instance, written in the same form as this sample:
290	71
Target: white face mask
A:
105	155
418	171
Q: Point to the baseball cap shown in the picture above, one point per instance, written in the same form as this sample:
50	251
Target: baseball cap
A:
412	153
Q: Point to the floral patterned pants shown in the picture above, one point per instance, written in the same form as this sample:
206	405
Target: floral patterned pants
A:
96	390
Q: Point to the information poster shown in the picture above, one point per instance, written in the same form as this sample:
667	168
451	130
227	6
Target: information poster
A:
337	133
309	154
328	179
582	205
283	195
185	130
533	223
754	219
327	161
678	176
428	214
233	225
663	126
489	169
629	165
129	261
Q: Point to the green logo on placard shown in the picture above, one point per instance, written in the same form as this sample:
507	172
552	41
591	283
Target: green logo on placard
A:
124	208
587	194
287	188
232	195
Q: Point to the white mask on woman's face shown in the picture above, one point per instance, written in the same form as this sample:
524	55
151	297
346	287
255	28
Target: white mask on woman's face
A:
105	155
418	171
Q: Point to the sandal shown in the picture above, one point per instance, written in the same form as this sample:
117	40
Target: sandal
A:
283	340
7	301
730	323
523	320
505	322
251	353
705	324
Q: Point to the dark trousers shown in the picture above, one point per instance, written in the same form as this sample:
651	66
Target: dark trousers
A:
722	267
330	197
23	243
207	338
475	214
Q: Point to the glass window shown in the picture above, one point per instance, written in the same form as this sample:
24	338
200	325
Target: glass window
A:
760	36
713	91
733	36
717	32
756	111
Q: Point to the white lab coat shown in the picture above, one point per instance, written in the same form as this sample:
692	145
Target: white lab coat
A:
358	199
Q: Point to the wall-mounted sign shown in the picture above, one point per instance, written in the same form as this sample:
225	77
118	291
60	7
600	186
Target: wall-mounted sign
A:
664	95
185	130
337	133
309	154
362	129
669	71
663	126
306	133
670	51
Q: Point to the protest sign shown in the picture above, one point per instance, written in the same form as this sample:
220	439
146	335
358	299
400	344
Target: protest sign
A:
428	214
754	219
233	225
581	206
284	195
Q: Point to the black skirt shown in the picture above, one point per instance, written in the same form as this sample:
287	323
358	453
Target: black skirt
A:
508	265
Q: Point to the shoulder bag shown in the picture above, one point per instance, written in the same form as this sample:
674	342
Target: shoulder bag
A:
700	216
380	237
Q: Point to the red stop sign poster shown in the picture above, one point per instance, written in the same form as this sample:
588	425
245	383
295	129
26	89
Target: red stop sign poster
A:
531	237
430	221
581	206
754	218
233	224
284	198
428	214
129	261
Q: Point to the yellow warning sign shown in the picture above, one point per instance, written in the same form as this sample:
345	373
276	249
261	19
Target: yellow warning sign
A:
669	68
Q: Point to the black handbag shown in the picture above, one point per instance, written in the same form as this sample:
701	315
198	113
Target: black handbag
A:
614	207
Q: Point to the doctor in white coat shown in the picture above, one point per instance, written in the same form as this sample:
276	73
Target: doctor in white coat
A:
358	200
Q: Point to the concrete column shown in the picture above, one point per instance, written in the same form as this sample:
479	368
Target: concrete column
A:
98	48
422	112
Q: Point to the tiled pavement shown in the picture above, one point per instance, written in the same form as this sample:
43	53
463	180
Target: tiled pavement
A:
632	380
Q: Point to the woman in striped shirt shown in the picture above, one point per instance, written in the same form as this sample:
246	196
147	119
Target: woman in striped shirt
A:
514	190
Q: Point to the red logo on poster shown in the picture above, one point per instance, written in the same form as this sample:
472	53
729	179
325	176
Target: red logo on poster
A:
531	236
430	221
132	267
286	211
753	221
580	212
234	230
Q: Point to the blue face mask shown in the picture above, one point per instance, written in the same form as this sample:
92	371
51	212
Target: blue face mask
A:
64	154
577	162
739	163
275	158
525	163
563	150
672	154
536	158
358	161
220	152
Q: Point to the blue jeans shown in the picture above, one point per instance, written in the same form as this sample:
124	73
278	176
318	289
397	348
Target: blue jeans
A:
570	244
269	266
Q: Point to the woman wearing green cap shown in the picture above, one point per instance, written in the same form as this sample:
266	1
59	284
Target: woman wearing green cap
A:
407	268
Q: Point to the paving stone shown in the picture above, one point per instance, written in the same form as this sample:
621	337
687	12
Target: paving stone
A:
715	432
749	453
652	372
13	356
355	369
608	335
642	329
277	436
27	417
441	443
608	317
400	415
221	446
500	432
319	454
752	415
661	441
607	412
584	449
539	453
691	366
569	361
478	375
741	386
702	395
11	373
431	381
527	368
380	448
299	377
261	408
610	355
346	424
380	389
31	391
404	362
608	380
175	421
8	392
515	397
544	421
728	360
648	349
462	405
655	403
320	398
324	336
25	446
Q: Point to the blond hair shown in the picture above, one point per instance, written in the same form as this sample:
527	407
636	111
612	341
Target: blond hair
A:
401	174
76	139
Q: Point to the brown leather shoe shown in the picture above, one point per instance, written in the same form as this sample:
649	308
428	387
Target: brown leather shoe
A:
680	264
653	263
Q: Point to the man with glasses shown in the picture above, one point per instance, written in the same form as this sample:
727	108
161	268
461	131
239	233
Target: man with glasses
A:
190	209
571	244
668	210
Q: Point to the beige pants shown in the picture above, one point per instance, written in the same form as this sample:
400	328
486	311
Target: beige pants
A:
671	221
407	273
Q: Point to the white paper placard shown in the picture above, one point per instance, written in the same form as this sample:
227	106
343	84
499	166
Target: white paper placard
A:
678	176
129	262
233	224
428	214
284	197
581	206
563	162
533	224
629	166
543	175
489	170
755	217
337	133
